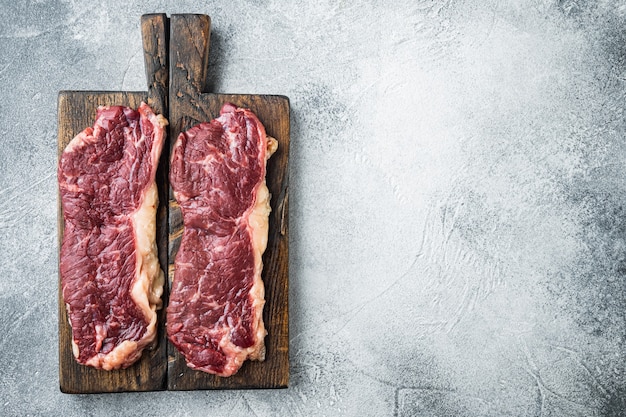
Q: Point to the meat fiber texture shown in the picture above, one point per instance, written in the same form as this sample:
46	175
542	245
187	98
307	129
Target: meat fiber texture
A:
217	173
110	275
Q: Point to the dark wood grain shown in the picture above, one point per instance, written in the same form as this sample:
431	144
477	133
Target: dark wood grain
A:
155	33
76	111
189	105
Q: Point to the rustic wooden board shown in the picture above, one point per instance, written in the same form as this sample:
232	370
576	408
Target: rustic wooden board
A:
162	367
189	47
76	111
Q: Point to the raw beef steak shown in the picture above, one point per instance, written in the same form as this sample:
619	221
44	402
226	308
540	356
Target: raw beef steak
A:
110	274
217	172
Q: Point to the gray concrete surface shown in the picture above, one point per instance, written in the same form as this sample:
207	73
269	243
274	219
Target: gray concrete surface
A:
458	209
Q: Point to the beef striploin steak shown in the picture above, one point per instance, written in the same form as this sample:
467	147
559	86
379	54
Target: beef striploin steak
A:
110	274
217	173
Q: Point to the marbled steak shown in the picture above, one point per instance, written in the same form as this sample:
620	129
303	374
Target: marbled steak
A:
217	172
110	275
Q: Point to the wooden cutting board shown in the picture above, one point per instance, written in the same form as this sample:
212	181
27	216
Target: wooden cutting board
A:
189	53
76	111
162	367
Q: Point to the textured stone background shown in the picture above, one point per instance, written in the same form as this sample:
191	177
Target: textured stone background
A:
458	221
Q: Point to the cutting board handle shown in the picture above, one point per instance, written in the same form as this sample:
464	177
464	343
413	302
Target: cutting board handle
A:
155	33
189	53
